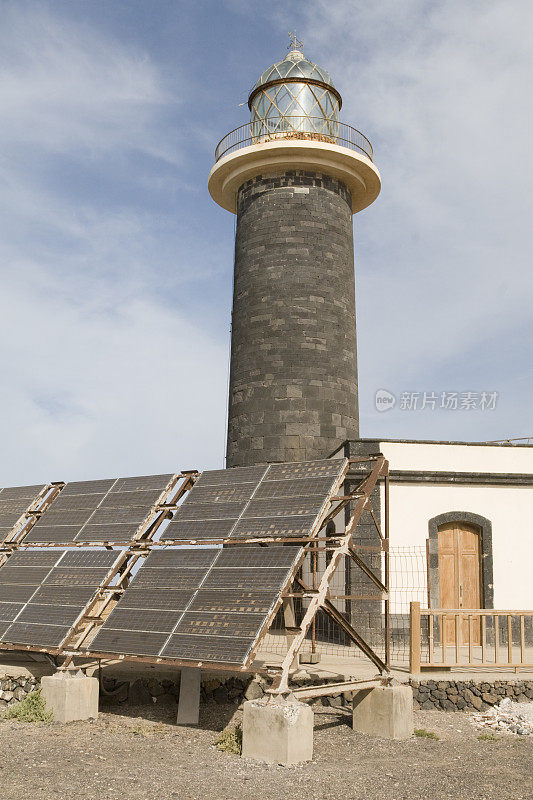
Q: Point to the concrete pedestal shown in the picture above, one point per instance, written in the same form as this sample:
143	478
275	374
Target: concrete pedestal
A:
277	732
386	712
189	702
70	697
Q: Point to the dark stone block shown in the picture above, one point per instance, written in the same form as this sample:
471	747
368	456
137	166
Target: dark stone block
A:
221	695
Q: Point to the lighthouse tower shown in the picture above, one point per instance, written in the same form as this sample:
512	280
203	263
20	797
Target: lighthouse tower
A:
294	175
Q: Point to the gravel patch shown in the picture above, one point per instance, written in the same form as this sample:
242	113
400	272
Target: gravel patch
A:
139	753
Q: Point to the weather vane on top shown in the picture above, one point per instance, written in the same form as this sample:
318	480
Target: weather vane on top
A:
295	43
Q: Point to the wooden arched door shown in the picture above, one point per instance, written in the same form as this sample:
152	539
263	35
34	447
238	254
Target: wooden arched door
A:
459	549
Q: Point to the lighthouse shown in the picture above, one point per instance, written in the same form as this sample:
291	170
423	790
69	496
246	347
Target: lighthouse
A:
294	175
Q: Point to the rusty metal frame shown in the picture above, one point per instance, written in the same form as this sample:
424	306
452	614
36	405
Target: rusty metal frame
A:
92	612
122	558
323	515
319	598
75	645
327	511
29	518
161	510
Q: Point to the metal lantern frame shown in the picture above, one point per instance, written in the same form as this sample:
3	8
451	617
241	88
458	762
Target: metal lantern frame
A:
294	96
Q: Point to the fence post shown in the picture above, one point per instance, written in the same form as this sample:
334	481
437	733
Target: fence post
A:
414	640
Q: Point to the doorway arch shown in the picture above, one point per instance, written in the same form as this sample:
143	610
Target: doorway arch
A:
485	532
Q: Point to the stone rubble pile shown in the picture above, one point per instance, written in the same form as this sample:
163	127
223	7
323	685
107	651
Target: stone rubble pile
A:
507	717
14	689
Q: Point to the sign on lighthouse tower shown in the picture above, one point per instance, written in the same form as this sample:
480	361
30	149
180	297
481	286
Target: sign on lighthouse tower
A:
294	175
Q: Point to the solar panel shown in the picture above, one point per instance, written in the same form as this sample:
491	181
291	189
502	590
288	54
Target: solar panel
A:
77	502
304	487
263	527
33	558
109	510
155	599
240	625
244	578
147	620
46	636
62	595
170	578
219	494
8	611
89	487
255	602
14	502
16	594
222	649
284	507
322	468
21	492
225	477
58	534
139	643
141	482
43	593
198	604
204	529
275	556
280	500
206	511
112	532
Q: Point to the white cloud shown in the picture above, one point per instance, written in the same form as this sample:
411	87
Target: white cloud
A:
103	371
443	257
66	87
88	393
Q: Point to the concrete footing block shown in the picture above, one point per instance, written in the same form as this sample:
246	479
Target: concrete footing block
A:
70	697
309	658
189	702
385	711
277	732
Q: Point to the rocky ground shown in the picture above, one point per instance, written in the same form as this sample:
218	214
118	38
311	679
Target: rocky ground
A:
139	754
507	717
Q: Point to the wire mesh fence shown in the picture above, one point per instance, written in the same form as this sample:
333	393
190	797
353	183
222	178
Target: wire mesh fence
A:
408	582
355	599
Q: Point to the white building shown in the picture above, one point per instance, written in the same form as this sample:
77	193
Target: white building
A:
460	528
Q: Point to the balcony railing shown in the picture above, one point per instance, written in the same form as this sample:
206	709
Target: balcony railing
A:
477	639
273	129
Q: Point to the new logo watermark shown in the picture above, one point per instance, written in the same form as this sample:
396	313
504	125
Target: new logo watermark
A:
384	400
432	401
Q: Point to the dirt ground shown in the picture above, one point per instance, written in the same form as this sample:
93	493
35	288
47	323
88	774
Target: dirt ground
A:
144	756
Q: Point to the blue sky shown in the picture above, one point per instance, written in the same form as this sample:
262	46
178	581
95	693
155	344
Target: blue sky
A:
116	265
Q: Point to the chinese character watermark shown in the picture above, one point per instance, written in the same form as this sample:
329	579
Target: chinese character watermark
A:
433	401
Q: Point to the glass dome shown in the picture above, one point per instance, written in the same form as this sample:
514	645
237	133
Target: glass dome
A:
294	96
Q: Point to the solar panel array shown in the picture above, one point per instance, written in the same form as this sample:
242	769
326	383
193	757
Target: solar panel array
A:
14	502
198	604
280	500
99	511
43	593
187	604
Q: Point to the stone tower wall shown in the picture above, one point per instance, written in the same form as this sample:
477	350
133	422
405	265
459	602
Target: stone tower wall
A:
293	381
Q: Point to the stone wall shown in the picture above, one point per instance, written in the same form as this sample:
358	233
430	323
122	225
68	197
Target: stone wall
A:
221	690
293	380
454	695
441	695
14	689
